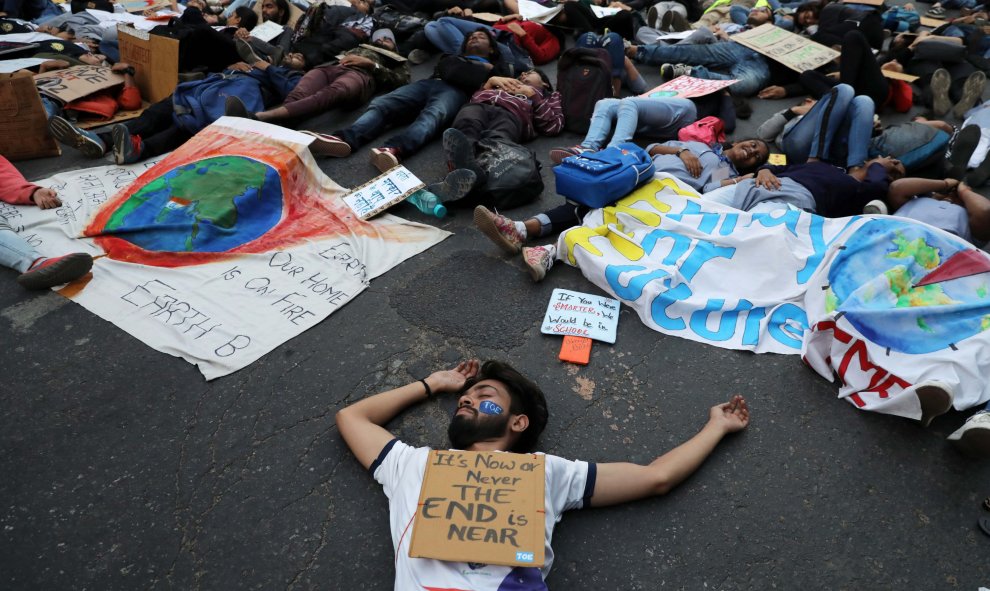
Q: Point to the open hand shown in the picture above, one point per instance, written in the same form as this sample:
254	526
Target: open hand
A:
452	380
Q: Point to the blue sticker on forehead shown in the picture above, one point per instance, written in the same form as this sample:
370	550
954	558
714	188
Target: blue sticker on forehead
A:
489	408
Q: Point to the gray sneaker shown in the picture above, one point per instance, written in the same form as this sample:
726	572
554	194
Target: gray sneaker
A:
941	80
876	207
972	91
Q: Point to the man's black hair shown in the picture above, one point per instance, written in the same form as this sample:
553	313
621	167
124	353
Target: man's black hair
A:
527	399
495	54
249	18
544	78
283	6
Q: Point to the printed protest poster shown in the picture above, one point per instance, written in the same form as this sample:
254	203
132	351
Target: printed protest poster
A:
482	507
76	82
222	250
382	192
845	294
582	315
687	87
794	51
534	11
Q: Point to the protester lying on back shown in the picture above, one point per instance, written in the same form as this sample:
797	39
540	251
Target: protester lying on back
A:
346	85
498	409
36	271
510	110
696	164
944	203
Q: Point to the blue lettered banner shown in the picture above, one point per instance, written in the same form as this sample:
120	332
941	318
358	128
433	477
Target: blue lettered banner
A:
840	292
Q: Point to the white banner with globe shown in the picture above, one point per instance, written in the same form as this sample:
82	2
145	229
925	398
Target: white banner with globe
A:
843	293
222	250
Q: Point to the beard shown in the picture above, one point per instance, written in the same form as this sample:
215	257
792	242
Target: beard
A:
464	431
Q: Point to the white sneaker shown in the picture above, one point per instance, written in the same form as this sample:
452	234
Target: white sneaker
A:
974	436
876	207
538	260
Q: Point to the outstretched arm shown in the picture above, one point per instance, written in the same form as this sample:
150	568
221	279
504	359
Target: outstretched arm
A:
624	482
362	424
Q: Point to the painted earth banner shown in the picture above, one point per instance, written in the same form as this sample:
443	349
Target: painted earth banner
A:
222	250
842	293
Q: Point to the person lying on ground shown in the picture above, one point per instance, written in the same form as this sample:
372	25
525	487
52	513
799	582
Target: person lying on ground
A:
509	110
944	203
429	106
36	271
656	118
166	125
347	84
500	410
694	163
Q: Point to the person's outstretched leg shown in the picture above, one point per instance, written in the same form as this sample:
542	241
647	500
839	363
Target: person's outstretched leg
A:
855	133
659	118
859	68
816	130
36	271
601	124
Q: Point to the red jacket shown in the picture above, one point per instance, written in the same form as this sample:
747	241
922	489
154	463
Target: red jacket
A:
14	188
542	45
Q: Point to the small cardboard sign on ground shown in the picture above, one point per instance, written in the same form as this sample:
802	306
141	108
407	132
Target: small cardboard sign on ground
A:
382	192
581	315
117	118
934	23
794	51
687	87
76	82
484	507
898	76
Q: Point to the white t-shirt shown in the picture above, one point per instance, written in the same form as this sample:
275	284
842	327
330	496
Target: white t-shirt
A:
400	469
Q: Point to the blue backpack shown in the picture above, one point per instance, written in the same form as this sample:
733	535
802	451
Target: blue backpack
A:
597	179
199	103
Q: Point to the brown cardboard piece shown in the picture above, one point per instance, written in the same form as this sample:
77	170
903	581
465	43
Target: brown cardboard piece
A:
899	76
866	2
117	118
155	59
23	121
482	507
74	83
794	51
934	23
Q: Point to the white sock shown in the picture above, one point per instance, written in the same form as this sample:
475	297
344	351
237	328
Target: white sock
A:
521	228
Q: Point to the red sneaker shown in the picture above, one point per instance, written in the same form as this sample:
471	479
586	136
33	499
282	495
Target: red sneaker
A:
47	273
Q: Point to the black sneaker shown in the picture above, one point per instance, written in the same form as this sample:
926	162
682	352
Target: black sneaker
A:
456	185
742	106
961	151
234	107
460	153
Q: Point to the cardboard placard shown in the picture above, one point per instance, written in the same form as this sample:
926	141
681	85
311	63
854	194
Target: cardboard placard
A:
382	192
934	23
482	507
898	76
23	121
687	87
155	59
73	83
777	159
117	118
866	2
487	17
794	51
581	315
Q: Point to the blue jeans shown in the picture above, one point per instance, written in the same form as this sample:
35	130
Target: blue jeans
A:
430	104
15	252
658	118
745	65
839	118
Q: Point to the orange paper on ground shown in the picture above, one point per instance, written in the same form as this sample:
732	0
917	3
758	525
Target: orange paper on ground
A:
576	350
484	507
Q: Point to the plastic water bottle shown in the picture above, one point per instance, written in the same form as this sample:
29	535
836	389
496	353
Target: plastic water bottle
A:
427	203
